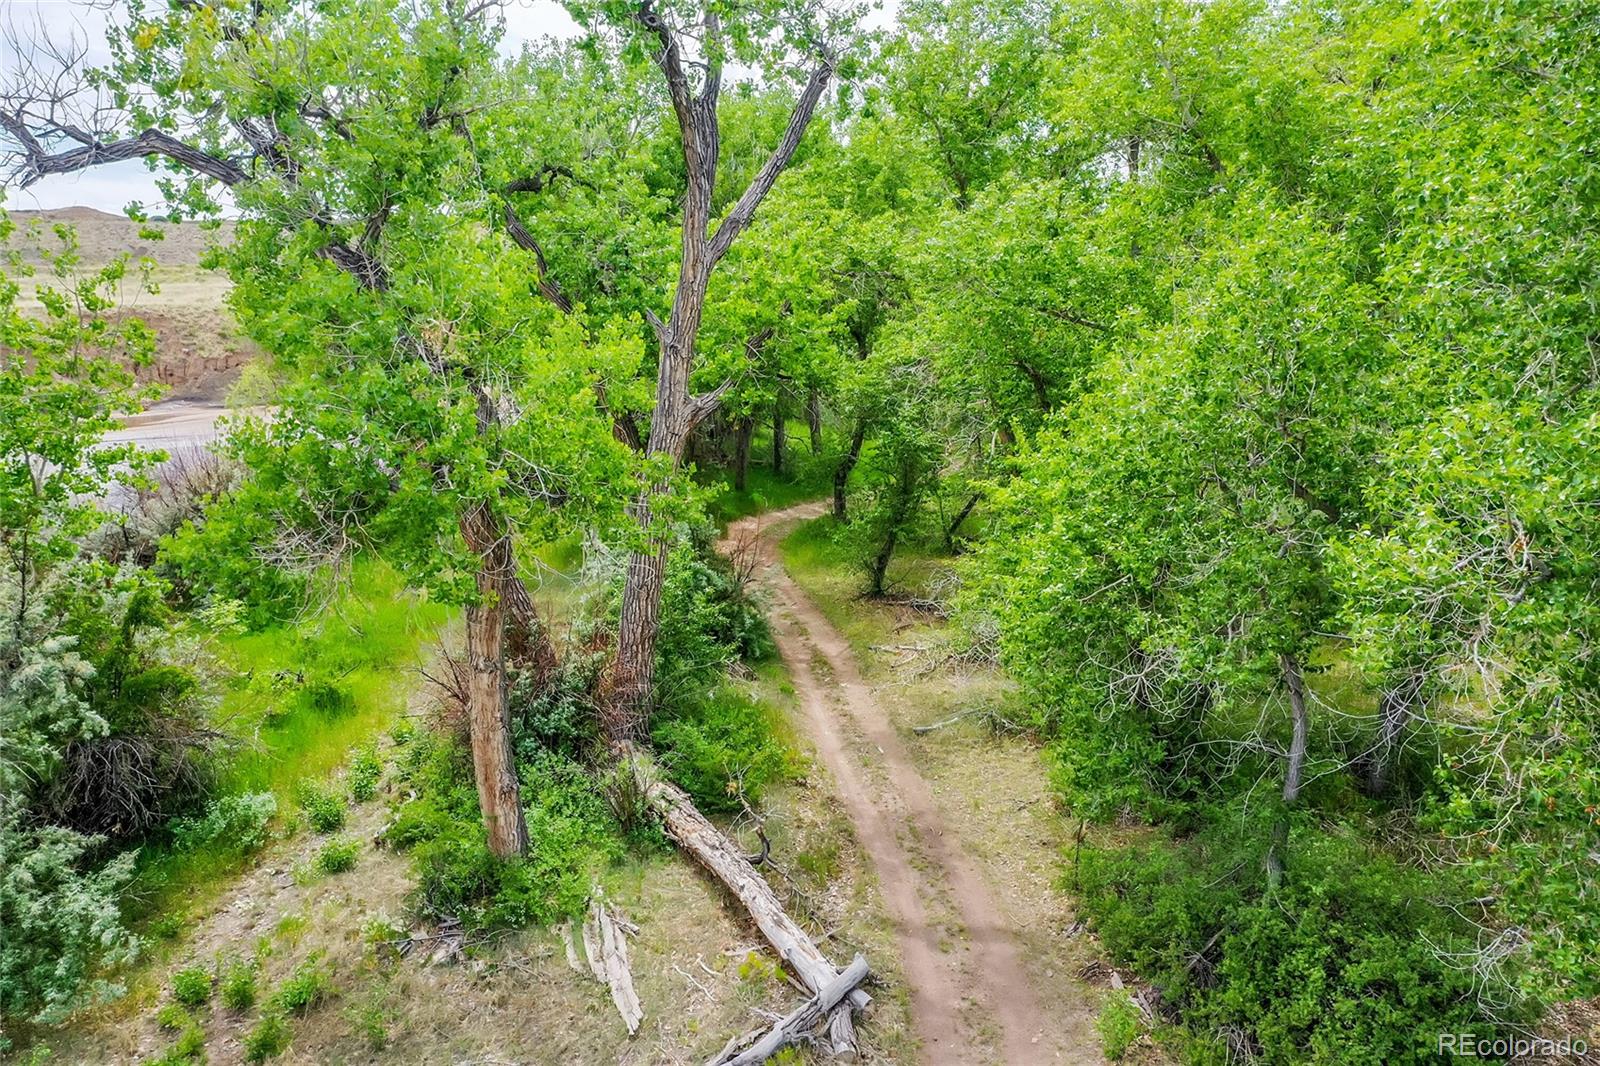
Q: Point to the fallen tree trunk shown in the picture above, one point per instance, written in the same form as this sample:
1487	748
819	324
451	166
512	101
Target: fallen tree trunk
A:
801	1022
727	863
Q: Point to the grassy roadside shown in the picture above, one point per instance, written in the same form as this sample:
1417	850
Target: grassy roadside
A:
299	697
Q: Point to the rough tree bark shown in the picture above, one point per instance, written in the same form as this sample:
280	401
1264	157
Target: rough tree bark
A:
1394	713
488	723
1293	770
677	410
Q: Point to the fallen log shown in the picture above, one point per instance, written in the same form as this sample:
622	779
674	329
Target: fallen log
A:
606	944
725	861
800	1022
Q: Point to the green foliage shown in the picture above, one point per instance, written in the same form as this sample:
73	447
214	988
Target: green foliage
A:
725	748
192	987
708	620
1349	962
60	910
324	809
188	1050
572	834
268	1039
338	856
308	986
239	823
173	1017
238	986
1118	1025
363	772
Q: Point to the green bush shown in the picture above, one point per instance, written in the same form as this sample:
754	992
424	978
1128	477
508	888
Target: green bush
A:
61	918
238	989
269	1039
173	1017
337	856
364	772
1346	963
570	829
324	810
190	1049
191	987
723	745
305	988
237	822
707	621
1118	1025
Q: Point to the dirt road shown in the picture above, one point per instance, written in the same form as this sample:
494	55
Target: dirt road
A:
972	1000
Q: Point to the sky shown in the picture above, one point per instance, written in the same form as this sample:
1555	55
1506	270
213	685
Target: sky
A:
114	186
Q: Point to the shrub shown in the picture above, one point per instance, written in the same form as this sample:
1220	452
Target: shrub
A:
173	1017
337	856
1344	964
189	1049
269	1039
191	987
722	746
307	986
61	919
238	990
1118	1025
237	822
707	621
324	810
364	772
570	832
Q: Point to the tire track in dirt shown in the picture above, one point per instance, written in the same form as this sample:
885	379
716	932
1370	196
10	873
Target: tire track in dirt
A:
965	981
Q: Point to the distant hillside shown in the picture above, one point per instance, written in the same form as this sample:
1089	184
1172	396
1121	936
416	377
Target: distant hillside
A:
200	351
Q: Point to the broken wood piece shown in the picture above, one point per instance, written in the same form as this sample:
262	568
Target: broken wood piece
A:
567	941
726	862
606	944
799	1023
931	726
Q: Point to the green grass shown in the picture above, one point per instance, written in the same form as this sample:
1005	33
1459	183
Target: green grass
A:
301	696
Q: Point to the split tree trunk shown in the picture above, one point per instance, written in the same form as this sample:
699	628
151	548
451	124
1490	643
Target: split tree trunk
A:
814	418
627	706
1394	712
1293	771
488	723
847	463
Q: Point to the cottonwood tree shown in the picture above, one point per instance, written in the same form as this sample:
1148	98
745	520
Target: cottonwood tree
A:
437	406
691	49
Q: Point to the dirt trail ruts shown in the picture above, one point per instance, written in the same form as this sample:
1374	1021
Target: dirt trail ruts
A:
961	959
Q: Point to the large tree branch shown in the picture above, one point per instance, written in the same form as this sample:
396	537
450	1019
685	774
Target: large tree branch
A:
38	162
526	241
744	211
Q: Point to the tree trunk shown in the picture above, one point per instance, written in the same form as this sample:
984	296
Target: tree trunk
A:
493	765
814	418
1293	771
955	527
780	431
847	463
741	452
878	572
